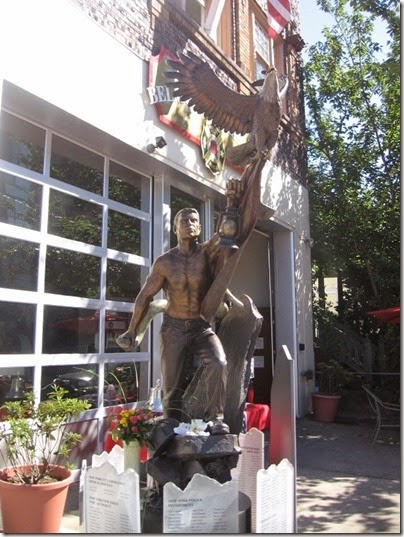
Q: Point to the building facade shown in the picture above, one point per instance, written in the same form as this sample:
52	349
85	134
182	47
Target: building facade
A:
88	189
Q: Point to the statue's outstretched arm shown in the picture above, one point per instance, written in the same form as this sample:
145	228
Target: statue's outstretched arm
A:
129	341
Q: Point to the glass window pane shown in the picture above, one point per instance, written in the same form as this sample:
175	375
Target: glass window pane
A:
129	187
17	328
123	280
121	383
72	273
260	69
18	264
20	201
115	324
70	330
15	382
74	218
21	142
124	233
261	41
79	381
179	200
76	165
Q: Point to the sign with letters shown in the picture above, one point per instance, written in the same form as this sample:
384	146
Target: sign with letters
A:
275	499
204	506
179	116
111	500
250	462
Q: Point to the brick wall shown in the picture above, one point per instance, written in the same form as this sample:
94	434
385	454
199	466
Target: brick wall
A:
244	47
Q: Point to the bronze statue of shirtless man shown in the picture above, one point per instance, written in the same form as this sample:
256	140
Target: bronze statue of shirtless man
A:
185	274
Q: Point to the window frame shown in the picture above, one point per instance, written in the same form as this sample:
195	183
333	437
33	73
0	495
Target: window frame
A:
277	56
40	299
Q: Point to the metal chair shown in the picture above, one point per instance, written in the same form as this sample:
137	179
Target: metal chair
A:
382	410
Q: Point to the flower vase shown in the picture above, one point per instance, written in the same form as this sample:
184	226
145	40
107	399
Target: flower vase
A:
131	456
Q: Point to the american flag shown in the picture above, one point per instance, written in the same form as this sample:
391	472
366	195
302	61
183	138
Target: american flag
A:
278	16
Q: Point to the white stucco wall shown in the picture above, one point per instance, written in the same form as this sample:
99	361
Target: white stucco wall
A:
55	52
290	200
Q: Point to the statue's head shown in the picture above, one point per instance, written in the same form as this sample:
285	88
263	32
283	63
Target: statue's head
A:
186	222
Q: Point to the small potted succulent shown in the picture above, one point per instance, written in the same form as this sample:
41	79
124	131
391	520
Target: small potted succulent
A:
35	447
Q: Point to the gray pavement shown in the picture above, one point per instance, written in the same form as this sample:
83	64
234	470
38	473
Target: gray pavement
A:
344	483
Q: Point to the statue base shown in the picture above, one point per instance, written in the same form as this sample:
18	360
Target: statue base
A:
177	458
184	456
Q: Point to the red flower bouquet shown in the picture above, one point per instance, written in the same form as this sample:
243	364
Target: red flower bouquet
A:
133	424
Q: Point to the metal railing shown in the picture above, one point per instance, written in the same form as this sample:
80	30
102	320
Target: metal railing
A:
348	347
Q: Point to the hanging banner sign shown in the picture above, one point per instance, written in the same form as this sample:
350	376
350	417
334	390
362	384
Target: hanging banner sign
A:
179	116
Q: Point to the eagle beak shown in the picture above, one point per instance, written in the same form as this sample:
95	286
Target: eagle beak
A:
258	83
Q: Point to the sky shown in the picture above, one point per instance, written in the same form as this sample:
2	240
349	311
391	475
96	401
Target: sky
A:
313	21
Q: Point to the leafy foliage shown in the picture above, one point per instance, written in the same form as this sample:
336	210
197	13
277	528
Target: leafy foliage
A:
352	87
36	436
332	377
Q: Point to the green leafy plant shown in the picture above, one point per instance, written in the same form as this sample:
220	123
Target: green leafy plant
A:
352	92
308	375
36	437
332	377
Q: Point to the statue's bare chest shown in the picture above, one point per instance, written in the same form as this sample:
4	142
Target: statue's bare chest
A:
189	272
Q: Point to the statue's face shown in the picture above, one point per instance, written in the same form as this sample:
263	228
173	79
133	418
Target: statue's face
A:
187	225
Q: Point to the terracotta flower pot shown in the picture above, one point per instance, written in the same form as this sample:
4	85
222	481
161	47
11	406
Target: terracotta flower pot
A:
325	407
34	508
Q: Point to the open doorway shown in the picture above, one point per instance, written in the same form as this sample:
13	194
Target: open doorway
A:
253	277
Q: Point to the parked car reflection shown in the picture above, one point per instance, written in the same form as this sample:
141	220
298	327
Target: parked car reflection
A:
80	384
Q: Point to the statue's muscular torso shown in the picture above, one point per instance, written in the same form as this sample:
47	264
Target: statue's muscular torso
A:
185	273
186	279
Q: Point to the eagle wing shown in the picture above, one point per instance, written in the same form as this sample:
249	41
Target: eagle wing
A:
197	83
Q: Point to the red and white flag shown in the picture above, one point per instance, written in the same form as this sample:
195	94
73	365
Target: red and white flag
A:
278	16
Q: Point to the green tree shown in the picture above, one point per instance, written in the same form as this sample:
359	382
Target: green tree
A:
352	88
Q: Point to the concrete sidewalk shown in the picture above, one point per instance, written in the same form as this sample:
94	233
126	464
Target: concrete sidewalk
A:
344	483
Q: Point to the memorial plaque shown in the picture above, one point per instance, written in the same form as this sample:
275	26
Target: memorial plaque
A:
204	506
114	457
275	499
111	501
250	462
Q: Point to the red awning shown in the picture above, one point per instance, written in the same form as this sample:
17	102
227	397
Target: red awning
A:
389	315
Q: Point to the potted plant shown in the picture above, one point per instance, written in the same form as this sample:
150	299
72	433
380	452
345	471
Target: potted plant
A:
330	378
35	447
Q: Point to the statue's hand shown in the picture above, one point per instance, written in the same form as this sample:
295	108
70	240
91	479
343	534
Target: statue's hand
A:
127	341
234	188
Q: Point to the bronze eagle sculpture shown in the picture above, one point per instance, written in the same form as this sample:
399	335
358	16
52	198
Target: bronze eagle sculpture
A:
258	114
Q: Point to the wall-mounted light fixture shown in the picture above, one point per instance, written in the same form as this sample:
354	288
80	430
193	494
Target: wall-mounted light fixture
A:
160	143
307	240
